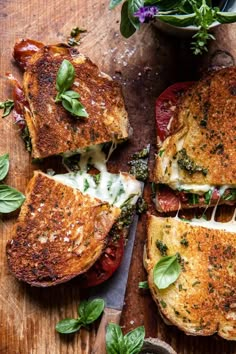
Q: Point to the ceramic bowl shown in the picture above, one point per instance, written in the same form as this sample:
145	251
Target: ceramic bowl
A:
189	31
156	346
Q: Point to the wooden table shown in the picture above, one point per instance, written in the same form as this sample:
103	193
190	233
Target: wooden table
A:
144	65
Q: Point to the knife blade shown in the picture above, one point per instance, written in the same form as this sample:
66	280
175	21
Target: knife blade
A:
113	291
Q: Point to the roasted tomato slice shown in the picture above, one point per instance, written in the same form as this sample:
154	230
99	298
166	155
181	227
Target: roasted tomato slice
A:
106	264
166	105
20	102
23	51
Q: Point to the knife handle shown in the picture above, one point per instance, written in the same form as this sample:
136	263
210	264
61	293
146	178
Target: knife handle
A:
109	315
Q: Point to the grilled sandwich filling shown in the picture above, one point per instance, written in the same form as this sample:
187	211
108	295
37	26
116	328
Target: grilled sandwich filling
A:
116	189
197	161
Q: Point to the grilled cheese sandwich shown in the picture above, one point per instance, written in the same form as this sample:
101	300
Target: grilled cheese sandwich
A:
199	156
53	130
202	300
63	227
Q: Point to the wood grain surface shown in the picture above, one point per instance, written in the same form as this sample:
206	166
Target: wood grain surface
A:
144	65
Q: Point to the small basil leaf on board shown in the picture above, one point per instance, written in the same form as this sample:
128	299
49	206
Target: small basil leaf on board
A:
126	26
225	17
65	76
166	271
7	106
68	325
114	3
134	340
4	166
178	20
91	310
10	199
114	339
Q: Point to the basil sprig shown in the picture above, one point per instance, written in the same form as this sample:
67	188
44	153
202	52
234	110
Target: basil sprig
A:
117	343
7	106
88	311
181	13
166	271
68	98
10	198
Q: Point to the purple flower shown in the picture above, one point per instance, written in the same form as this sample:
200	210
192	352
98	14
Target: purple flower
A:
146	13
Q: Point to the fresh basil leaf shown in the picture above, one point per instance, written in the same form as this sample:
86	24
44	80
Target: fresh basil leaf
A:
25	135
68	325
208	196
65	76
193	198
73	106
166	271
134	6
178	20
89	311
143	285
114	3
226	17
81	308
7	106
114	339
10	199
163	5
4	166
86	184
161	152
134	340
230	195
126	26
72	94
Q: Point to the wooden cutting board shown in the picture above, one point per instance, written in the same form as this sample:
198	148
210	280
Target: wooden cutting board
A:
144	65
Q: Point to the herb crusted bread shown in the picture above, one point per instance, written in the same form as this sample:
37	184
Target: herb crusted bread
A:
53	130
201	149
202	301
60	232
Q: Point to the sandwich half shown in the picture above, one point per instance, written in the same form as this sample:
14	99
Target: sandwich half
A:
52	129
63	227
202	301
196	163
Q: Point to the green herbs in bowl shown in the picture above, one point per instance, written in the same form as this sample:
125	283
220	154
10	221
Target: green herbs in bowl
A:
194	16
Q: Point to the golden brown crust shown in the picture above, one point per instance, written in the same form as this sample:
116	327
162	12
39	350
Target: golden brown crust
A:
60	232
207	126
203	299
52	129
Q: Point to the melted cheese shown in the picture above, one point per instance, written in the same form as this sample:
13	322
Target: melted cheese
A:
229	226
216	225
93	155
115	189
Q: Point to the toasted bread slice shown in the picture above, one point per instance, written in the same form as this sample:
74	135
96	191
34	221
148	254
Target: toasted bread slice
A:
54	130
60	232
202	300
204	135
